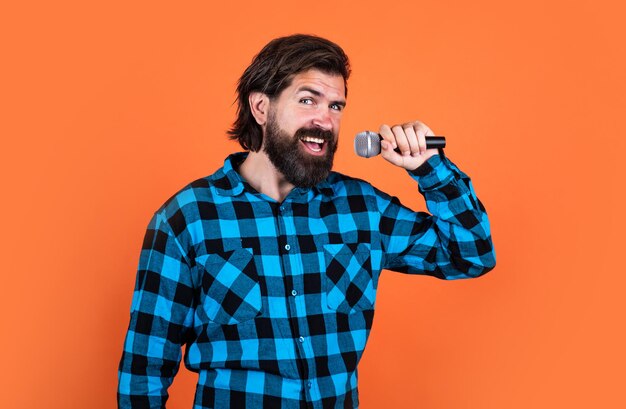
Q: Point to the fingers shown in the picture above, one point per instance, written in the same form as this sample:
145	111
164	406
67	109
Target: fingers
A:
401	140
409	138
388	135
413	139
422	131
388	144
410	141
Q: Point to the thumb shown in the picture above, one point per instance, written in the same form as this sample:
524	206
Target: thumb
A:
389	154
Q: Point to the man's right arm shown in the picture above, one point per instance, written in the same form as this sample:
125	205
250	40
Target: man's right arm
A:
161	316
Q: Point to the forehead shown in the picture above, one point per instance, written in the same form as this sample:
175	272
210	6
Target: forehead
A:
331	85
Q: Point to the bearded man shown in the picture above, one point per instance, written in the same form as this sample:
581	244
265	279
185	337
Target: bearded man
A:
267	270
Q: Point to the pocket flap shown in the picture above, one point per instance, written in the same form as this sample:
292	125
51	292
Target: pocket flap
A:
230	286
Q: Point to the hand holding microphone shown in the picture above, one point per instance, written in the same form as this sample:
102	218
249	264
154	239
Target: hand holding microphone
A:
367	143
408	145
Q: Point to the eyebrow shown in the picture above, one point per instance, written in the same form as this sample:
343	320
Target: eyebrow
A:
318	94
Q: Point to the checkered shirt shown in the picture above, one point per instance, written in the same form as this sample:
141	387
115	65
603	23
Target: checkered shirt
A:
275	301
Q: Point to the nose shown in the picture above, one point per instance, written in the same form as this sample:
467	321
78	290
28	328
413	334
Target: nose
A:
323	120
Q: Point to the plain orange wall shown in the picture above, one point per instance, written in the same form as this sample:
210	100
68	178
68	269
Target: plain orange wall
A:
109	108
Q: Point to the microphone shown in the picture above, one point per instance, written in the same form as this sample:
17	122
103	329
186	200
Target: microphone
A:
367	143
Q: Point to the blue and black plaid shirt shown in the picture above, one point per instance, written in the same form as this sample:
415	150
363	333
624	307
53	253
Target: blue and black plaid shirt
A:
275	301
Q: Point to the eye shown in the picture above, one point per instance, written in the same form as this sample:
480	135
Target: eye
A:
336	107
306	101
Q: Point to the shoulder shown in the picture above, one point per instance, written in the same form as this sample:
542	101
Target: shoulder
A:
190	203
189	195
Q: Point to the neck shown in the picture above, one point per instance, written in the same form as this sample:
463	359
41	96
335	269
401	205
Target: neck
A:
261	174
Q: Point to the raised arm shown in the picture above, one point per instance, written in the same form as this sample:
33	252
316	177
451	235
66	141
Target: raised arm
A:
454	241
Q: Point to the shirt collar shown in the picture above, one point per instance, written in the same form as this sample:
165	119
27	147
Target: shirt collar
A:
228	182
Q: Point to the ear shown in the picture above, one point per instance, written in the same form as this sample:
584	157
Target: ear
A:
259	106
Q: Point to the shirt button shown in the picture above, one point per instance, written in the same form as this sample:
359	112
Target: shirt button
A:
282	208
294	292
308	385
301	339
287	247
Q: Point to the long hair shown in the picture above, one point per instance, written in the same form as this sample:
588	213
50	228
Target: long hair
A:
273	69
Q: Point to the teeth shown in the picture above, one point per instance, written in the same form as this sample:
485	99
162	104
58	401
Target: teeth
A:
314	140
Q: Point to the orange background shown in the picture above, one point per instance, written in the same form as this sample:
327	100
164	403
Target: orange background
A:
108	109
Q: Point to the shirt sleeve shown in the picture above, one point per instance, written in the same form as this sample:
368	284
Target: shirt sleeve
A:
452	242
160	320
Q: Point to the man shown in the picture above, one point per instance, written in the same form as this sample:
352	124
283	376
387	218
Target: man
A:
267	270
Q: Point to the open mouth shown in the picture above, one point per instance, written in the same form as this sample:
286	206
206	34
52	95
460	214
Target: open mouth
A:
315	145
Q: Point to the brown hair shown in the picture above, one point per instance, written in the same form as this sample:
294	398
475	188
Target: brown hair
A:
272	70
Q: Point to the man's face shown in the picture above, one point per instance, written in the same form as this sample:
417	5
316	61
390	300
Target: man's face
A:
303	125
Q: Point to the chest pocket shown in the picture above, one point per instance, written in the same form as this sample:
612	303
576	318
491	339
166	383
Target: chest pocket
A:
348	279
230	286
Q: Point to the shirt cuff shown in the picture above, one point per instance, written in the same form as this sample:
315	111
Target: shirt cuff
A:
433	173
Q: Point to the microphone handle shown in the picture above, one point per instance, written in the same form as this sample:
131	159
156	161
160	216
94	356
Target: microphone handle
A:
432	142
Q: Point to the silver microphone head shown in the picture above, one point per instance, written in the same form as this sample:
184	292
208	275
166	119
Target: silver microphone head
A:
367	144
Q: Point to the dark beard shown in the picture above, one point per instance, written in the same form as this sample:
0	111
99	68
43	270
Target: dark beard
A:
286	155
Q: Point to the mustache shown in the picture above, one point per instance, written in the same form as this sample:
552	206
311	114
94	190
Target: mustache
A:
327	136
